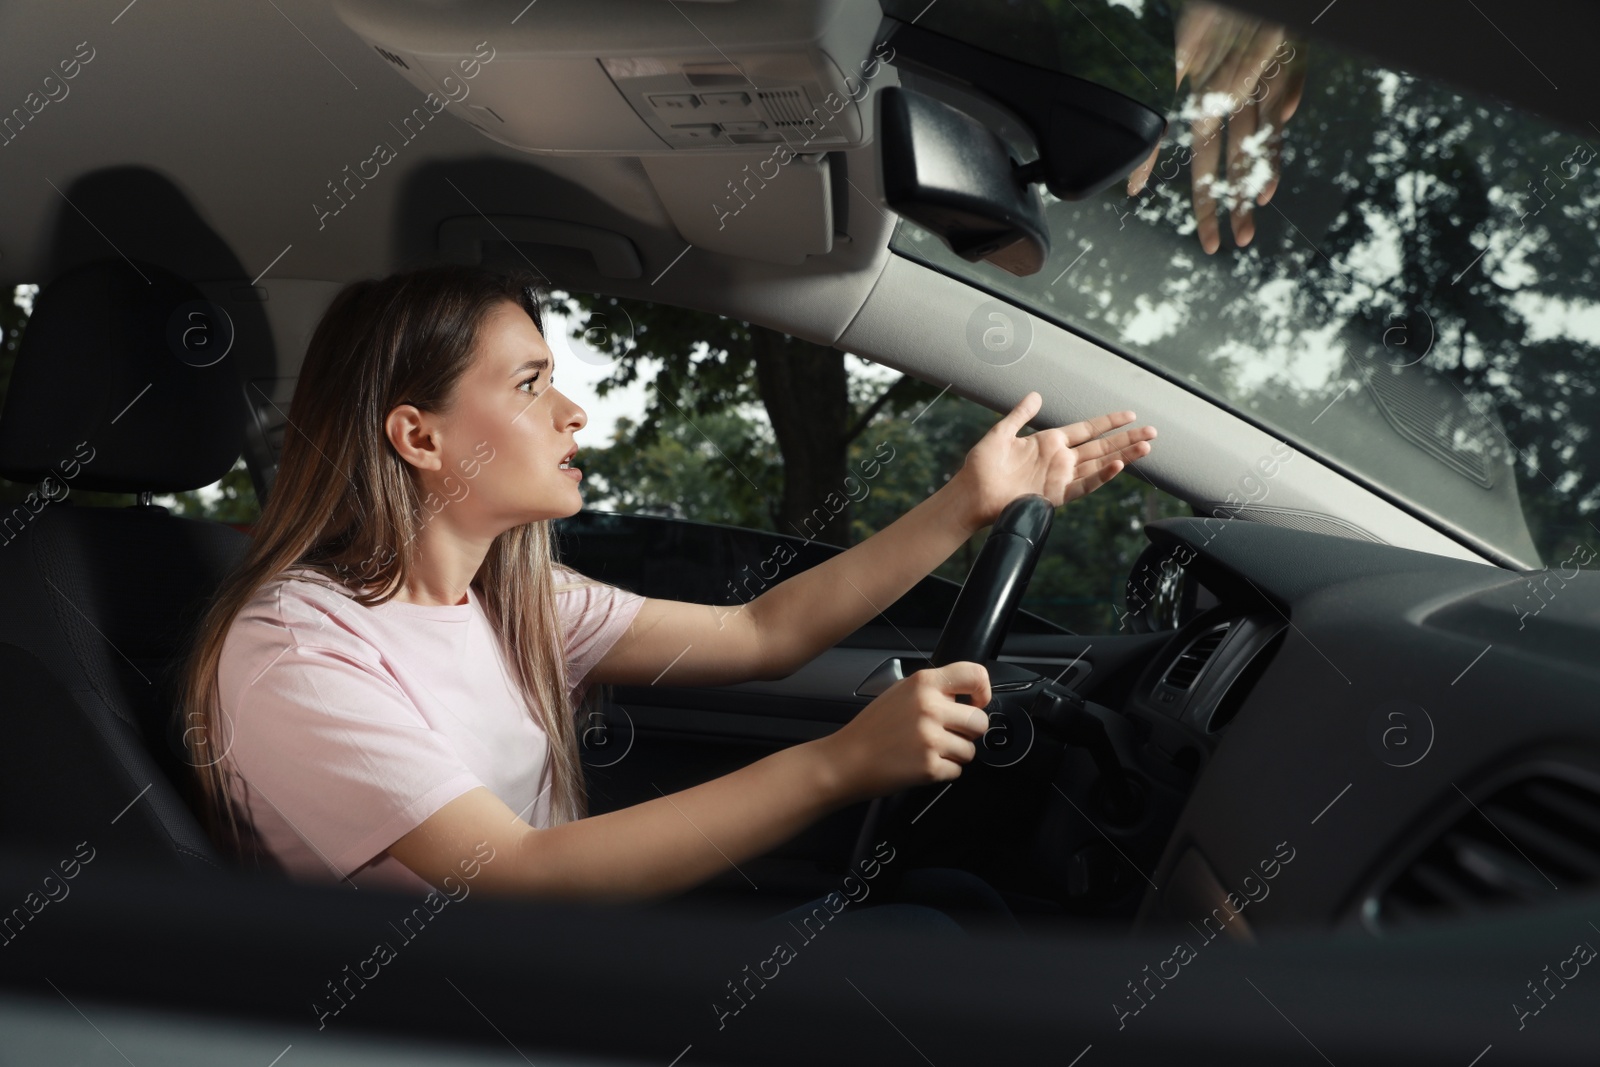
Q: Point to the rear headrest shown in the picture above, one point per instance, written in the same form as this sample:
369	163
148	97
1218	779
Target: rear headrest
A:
123	384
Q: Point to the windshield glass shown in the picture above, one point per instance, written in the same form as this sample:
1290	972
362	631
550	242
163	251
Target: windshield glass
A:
1394	277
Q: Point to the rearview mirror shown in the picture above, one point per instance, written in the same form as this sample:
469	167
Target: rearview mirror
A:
951	175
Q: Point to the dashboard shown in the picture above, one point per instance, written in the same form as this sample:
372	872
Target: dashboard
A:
1395	736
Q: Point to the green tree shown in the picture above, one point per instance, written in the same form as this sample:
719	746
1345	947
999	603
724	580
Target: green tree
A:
688	471
232	499
705	364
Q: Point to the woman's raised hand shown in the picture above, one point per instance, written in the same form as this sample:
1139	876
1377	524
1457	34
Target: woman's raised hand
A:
1061	463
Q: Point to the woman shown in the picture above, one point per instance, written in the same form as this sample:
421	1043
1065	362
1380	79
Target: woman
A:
383	691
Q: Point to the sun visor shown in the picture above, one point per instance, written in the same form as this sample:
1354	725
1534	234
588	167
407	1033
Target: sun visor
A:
765	204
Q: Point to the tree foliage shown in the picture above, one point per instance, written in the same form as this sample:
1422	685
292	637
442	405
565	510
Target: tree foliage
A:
704	364
694	460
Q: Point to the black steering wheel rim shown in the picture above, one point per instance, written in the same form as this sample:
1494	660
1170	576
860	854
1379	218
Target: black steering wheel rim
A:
975	629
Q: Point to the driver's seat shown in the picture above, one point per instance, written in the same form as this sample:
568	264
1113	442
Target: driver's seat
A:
109	393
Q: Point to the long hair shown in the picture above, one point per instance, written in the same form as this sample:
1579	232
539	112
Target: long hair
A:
346	505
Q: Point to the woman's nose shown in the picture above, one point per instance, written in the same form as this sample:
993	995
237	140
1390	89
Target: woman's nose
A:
575	413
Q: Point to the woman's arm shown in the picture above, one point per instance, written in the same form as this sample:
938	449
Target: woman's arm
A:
804	615
915	732
672	642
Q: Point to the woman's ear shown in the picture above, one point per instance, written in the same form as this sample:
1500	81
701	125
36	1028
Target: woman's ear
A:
413	435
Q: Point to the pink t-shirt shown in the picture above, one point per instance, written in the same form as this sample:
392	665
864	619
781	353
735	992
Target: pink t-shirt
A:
348	726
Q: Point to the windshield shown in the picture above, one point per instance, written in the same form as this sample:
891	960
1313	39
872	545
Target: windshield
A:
1391	276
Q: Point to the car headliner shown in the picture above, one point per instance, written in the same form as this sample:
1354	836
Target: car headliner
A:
250	110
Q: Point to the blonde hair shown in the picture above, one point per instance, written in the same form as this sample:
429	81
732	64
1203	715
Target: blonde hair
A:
344	501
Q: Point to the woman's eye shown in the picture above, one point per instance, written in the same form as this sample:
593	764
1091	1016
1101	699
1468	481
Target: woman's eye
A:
528	381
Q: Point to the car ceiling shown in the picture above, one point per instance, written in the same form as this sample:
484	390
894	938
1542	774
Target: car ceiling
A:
200	136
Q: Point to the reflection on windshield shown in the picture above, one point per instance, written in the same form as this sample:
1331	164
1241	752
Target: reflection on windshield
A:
1415	296
1246	78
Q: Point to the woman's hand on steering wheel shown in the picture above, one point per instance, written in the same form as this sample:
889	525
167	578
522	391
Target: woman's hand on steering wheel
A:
914	733
1060	464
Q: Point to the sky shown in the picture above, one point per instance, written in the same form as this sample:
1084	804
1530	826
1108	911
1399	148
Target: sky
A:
579	369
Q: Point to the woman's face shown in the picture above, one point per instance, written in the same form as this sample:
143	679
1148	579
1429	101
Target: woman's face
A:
504	439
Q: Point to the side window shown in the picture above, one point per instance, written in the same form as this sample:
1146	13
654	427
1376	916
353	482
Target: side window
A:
693	416
231	500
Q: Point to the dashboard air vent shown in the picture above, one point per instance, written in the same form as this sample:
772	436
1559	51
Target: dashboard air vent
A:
1516	847
1191	662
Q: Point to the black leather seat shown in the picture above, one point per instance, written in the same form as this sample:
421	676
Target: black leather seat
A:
117	388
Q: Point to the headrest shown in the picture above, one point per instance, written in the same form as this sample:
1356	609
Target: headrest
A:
123	384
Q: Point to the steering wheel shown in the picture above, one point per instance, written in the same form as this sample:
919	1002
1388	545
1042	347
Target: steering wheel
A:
976	626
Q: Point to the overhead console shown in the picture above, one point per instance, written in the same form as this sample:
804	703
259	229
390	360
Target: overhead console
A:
736	109
637	78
